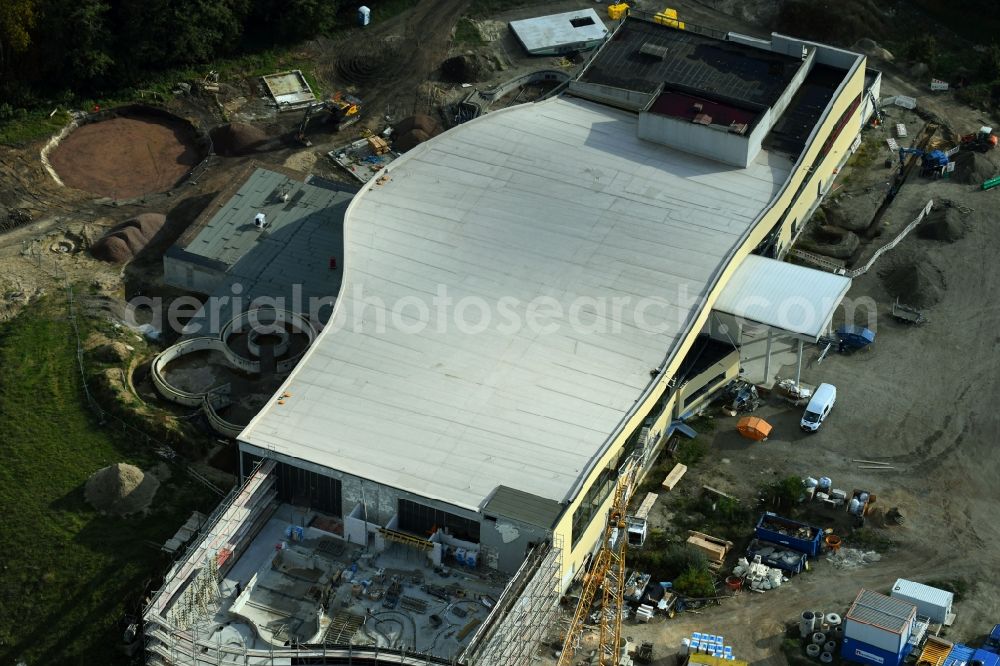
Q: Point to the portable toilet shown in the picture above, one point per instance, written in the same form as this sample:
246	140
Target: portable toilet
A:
364	15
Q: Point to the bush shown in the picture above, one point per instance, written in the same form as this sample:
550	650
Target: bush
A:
691	451
783	493
695	582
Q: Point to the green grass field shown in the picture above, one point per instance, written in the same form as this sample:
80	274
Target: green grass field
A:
67	574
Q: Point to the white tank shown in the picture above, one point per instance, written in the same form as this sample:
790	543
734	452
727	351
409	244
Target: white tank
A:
854	506
825	483
863	497
364	15
685	645
810	482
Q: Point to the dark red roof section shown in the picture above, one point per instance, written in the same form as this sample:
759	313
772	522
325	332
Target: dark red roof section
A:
682	105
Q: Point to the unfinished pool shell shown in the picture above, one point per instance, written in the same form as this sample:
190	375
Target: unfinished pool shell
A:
127	152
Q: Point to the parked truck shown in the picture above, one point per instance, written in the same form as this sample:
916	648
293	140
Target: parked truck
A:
790	533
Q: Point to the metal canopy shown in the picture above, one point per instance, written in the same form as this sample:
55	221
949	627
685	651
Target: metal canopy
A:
792	298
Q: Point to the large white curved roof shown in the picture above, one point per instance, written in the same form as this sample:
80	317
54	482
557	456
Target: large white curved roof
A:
556	200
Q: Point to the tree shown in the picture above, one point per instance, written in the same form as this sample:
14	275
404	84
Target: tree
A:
17	18
989	64
696	583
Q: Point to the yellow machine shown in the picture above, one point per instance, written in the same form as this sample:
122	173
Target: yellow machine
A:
608	575
617	11
668	17
340	110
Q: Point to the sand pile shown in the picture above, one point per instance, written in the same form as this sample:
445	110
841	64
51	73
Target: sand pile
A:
973	169
120	489
237	139
123	242
413	131
943	224
915	283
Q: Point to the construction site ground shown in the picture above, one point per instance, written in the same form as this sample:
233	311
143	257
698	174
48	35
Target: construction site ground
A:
923	398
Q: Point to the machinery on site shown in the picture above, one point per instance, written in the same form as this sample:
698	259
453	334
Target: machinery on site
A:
339	111
932	163
980	141
607	574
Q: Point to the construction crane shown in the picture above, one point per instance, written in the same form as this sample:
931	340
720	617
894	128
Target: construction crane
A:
340	110
608	575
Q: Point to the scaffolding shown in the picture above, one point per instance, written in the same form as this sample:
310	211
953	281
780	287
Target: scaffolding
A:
512	632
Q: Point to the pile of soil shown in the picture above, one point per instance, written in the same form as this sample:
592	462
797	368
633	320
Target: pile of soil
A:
413	131
831	241
120	489
237	139
915	283
972	169
943	224
467	68
123	242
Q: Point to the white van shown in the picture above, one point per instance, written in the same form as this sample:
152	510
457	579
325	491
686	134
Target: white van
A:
819	407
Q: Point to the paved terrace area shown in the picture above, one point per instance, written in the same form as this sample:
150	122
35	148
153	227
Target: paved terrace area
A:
558	200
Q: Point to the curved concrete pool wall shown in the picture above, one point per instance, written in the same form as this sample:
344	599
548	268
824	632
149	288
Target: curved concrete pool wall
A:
219	397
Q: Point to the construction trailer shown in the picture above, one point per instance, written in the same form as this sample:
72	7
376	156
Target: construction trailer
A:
930	601
877	629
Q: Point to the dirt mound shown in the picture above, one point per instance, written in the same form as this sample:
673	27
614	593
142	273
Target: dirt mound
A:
972	169
831	241
943	224
467	68
237	139
123	242
421	122
915	283
120	489
410	140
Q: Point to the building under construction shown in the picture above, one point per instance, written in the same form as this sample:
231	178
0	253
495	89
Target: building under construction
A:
424	491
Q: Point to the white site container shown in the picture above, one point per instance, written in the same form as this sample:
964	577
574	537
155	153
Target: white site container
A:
930	601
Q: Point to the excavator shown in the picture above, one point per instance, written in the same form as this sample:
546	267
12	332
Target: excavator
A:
980	141
340	110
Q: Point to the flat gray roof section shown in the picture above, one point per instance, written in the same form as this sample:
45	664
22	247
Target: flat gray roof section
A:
691	61
525	507
557	200
881	611
793	298
289	261
548	33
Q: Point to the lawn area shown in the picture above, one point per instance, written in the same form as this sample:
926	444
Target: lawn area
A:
68	574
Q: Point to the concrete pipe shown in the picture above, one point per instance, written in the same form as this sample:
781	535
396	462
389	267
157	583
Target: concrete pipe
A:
826	657
819	638
832	619
807	624
829	646
812	650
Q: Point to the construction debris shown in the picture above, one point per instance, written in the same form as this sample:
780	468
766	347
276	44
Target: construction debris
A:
852	558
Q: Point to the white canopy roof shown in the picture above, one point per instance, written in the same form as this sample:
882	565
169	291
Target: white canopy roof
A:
775	293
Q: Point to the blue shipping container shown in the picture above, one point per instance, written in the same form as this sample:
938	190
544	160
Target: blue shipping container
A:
862	653
772	527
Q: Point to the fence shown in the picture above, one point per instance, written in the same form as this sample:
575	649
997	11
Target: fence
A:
828	264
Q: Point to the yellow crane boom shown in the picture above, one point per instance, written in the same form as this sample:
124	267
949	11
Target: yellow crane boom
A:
607	574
